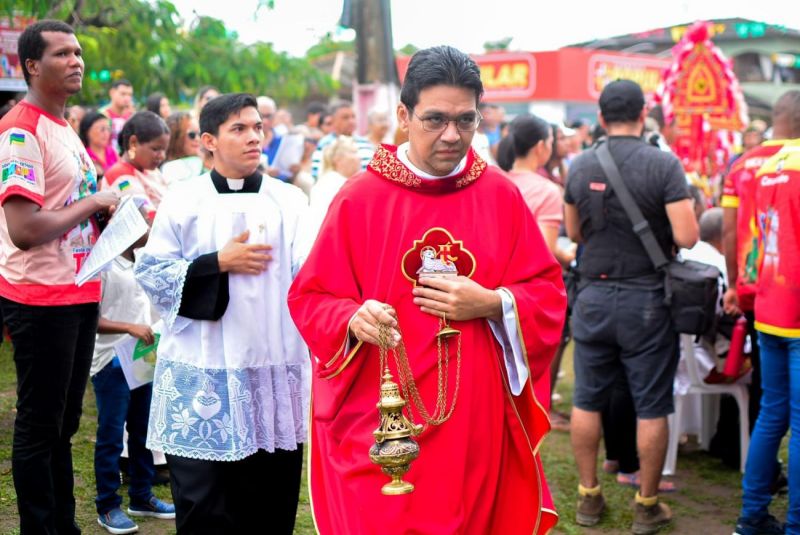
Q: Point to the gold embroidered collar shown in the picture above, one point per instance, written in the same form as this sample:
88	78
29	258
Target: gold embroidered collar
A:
386	164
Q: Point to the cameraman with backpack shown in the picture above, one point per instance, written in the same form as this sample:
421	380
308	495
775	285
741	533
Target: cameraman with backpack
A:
620	322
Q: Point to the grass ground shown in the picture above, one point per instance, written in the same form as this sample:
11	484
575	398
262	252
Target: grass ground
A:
707	501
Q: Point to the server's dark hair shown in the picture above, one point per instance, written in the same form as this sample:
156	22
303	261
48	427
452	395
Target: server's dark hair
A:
440	65
219	109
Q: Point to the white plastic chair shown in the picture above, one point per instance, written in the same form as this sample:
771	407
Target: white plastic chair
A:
709	393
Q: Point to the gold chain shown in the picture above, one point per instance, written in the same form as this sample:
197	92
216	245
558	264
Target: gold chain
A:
441	414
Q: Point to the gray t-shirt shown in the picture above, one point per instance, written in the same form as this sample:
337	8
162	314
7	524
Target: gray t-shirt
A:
654	178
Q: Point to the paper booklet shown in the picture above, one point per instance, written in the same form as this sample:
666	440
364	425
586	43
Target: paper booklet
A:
289	153
127	226
138	360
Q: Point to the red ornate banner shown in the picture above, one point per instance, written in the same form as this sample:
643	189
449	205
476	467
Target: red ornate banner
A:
701	94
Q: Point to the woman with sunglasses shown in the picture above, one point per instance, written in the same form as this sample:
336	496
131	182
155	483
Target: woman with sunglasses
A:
183	153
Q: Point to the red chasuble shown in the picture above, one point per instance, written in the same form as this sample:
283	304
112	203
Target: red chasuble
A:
479	472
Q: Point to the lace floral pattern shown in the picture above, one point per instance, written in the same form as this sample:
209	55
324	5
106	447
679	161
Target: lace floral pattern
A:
163	281
226	415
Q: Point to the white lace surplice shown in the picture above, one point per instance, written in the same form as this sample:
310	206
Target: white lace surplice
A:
225	389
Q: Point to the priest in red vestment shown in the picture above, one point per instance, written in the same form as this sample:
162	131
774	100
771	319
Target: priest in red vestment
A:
432	206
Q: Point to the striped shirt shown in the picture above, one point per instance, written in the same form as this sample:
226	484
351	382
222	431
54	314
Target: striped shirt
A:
365	152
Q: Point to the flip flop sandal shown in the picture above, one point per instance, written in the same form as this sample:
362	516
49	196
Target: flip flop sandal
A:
632	480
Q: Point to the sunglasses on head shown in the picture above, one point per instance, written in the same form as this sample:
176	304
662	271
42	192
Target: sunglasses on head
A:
193	134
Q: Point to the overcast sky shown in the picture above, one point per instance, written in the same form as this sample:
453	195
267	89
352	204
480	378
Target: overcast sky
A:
295	25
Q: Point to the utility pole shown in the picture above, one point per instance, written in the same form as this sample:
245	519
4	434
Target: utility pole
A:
377	84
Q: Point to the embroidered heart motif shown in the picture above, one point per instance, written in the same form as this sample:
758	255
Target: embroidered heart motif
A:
206	404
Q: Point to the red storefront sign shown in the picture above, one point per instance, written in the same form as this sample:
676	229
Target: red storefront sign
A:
604	68
11	77
569	74
508	76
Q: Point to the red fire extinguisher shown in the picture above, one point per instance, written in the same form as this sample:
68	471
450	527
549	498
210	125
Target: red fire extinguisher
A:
733	364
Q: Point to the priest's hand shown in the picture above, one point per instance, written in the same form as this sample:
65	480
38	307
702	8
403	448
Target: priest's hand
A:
458	299
367	319
238	256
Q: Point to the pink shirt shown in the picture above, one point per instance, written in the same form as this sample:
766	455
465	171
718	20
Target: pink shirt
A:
109	155
44	161
117	122
542	196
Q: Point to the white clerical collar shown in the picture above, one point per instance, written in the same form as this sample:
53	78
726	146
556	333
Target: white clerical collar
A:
235	183
402	155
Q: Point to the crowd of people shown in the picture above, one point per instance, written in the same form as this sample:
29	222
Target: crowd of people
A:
288	259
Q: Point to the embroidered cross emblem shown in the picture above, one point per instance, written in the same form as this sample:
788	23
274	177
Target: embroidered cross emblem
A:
165	392
239	398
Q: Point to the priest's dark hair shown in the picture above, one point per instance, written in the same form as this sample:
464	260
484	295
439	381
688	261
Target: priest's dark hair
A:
145	125
440	65
217	110
524	133
31	44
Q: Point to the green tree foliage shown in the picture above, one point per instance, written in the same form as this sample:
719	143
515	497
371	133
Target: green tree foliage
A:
146	42
408	50
498	45
328	45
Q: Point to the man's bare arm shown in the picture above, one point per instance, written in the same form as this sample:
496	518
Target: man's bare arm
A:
572	220
30	226
729	218
685	231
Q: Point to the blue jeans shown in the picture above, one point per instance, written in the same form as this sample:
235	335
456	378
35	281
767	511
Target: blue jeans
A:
780	409
116	404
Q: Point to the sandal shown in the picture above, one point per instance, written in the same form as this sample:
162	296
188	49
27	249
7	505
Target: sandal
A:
632	480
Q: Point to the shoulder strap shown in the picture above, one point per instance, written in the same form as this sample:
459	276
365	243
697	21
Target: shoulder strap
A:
640	225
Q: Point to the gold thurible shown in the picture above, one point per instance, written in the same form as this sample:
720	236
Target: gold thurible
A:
394	449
